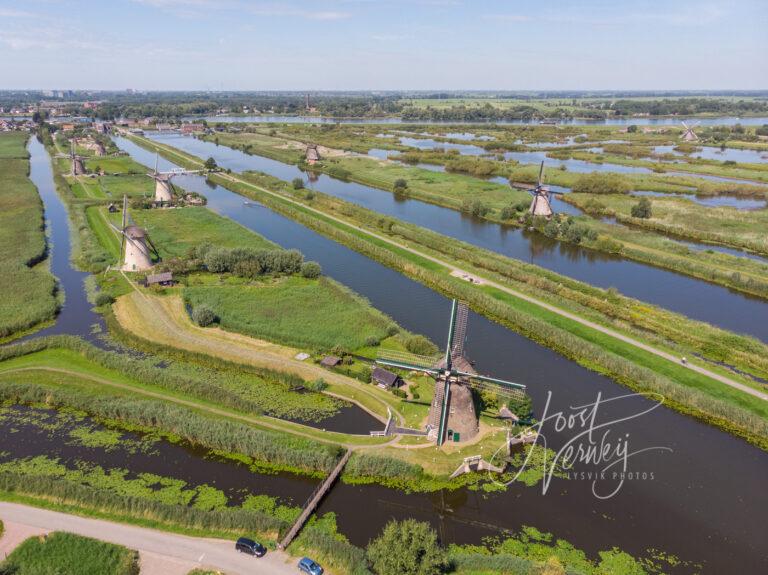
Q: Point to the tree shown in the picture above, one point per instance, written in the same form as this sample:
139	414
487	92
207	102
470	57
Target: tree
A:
400	187
210	164
420	345
203	316
298	184
642	209
632	129
311	270
407	547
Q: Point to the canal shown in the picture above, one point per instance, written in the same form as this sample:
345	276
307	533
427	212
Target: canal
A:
709	488
691	297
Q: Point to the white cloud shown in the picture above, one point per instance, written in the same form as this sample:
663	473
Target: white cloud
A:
11	13
507	17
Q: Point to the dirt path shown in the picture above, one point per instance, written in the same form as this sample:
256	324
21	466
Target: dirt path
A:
160	552
453	269
163	320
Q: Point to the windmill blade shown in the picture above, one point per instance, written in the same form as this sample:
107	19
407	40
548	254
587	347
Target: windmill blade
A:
122	231
409	361
460	333
451	333
492	380
154	249
541	174
157	159
685	125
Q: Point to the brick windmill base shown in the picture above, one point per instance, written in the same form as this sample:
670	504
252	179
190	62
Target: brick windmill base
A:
462	419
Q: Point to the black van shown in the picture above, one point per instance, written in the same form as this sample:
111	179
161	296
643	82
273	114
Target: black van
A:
245	545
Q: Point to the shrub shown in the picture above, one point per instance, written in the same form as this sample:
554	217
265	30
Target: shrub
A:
311	270
399	393
507	212
210	164
475	207
597	183
400	185
642	209
103	298
420	345
203	316
407	548
317	385
309	195
297	183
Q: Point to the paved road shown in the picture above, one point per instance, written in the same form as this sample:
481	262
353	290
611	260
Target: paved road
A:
458	271
156	547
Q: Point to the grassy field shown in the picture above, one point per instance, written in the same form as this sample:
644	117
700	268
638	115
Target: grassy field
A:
174	231
685	218
28	288
62	553
314	314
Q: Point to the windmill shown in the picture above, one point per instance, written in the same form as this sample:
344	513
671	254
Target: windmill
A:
78	168
312	154
452	413
541	204
689	135
135	246
163	186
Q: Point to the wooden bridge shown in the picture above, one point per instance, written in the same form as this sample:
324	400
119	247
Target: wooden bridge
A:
314	500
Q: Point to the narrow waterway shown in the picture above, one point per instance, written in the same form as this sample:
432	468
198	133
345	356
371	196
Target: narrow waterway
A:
709	488
76	316
694	298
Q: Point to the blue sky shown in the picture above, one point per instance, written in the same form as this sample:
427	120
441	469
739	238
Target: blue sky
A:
384	44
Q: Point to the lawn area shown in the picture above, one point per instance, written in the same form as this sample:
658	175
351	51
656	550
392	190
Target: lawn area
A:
27	285
62	553
313	314
174	231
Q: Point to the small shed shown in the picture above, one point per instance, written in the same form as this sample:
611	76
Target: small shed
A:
385	379
330	361
163	279
312	155
506	413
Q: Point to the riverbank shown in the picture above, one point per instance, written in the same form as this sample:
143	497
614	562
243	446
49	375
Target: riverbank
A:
505	309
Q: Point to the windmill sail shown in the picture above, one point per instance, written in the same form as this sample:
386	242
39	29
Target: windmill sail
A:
452	404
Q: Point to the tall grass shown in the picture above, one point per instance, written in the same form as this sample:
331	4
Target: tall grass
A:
54	492
27	286
214	433
315	314
62	553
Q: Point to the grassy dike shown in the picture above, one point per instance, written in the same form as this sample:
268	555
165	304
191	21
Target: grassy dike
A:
641	370
450	189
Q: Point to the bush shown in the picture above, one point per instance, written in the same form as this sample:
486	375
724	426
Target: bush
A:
103	298
420	345
311	270
298	184
203	316
407	548
597	183
210	164
399	393
400	185
475	207
508	212
642	209
316	385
